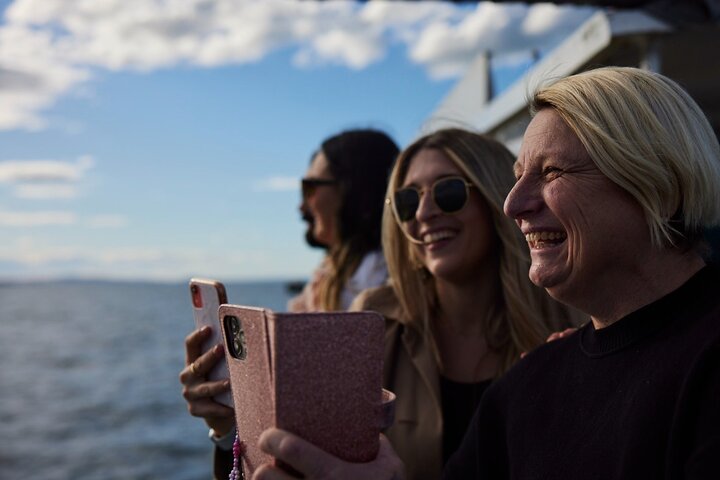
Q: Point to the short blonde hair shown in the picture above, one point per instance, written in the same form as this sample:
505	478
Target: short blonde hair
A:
646	134
525	314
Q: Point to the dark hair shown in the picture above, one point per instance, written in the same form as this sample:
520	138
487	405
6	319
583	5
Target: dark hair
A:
360	161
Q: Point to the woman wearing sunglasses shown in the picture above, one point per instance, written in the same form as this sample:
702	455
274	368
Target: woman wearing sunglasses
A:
460	308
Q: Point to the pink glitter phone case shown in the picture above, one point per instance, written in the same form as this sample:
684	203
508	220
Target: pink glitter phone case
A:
317	375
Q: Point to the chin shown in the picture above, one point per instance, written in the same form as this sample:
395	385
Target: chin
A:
322	239
447	271
311	240
556	284
543	277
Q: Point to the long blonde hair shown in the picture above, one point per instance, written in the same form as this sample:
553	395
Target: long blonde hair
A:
525	314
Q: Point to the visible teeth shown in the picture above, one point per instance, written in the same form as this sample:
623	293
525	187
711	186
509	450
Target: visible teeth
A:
437	236
535	237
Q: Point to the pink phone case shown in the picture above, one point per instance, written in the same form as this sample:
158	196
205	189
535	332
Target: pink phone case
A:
206	297
317	375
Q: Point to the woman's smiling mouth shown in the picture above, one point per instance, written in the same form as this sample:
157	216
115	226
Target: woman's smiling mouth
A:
436	236
539	240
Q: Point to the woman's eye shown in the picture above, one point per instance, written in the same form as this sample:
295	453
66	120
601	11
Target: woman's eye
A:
552	172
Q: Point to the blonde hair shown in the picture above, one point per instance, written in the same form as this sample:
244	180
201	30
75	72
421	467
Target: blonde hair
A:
646	134
525	314
340	265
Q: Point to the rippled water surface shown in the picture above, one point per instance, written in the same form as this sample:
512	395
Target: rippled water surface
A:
88	375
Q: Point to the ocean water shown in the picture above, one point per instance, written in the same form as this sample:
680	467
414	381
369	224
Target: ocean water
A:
89	380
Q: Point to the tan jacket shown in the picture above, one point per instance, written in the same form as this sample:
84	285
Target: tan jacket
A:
410	371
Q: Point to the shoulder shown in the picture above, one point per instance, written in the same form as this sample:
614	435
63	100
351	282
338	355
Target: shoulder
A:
379	299
539	366
373	261
384	301
371	272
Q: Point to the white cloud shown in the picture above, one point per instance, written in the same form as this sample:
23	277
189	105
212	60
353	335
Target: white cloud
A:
107	221
45	191
36	219
12	171
403	14
277	184
48	49
45	179
32	75
446	48
59	218
356	49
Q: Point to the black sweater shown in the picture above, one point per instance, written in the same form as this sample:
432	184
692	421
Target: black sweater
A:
639	399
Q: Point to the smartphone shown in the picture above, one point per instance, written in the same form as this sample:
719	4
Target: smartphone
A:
207	296
317	375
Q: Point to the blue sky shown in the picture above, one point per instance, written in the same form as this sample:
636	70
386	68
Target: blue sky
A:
165	139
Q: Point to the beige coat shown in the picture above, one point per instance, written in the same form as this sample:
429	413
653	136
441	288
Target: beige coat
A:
410	371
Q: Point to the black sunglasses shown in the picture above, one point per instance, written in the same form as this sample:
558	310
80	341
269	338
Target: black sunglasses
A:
309	185
450	194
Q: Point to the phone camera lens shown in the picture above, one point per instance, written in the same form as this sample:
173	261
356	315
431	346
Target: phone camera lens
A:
235	337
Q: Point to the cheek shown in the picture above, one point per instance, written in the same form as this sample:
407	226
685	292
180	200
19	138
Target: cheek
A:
482	228
571	210
327	210
320	204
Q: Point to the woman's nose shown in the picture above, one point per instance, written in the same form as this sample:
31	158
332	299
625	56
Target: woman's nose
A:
427	208
522	200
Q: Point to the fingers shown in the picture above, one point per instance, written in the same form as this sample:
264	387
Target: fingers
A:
567	331
205	390
269	472
200	400
198	369
388	462
563	334
553	336
301	455
209	409
315	464
193	344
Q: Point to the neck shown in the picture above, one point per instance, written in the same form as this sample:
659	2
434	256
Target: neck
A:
462	303
460	336
660	275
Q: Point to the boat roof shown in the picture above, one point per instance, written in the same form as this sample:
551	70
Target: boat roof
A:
620	37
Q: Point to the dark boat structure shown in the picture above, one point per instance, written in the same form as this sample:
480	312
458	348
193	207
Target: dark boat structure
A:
615	37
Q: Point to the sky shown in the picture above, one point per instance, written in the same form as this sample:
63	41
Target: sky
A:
165	139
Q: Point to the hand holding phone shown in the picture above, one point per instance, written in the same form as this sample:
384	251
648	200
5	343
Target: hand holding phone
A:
317	375
206	297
